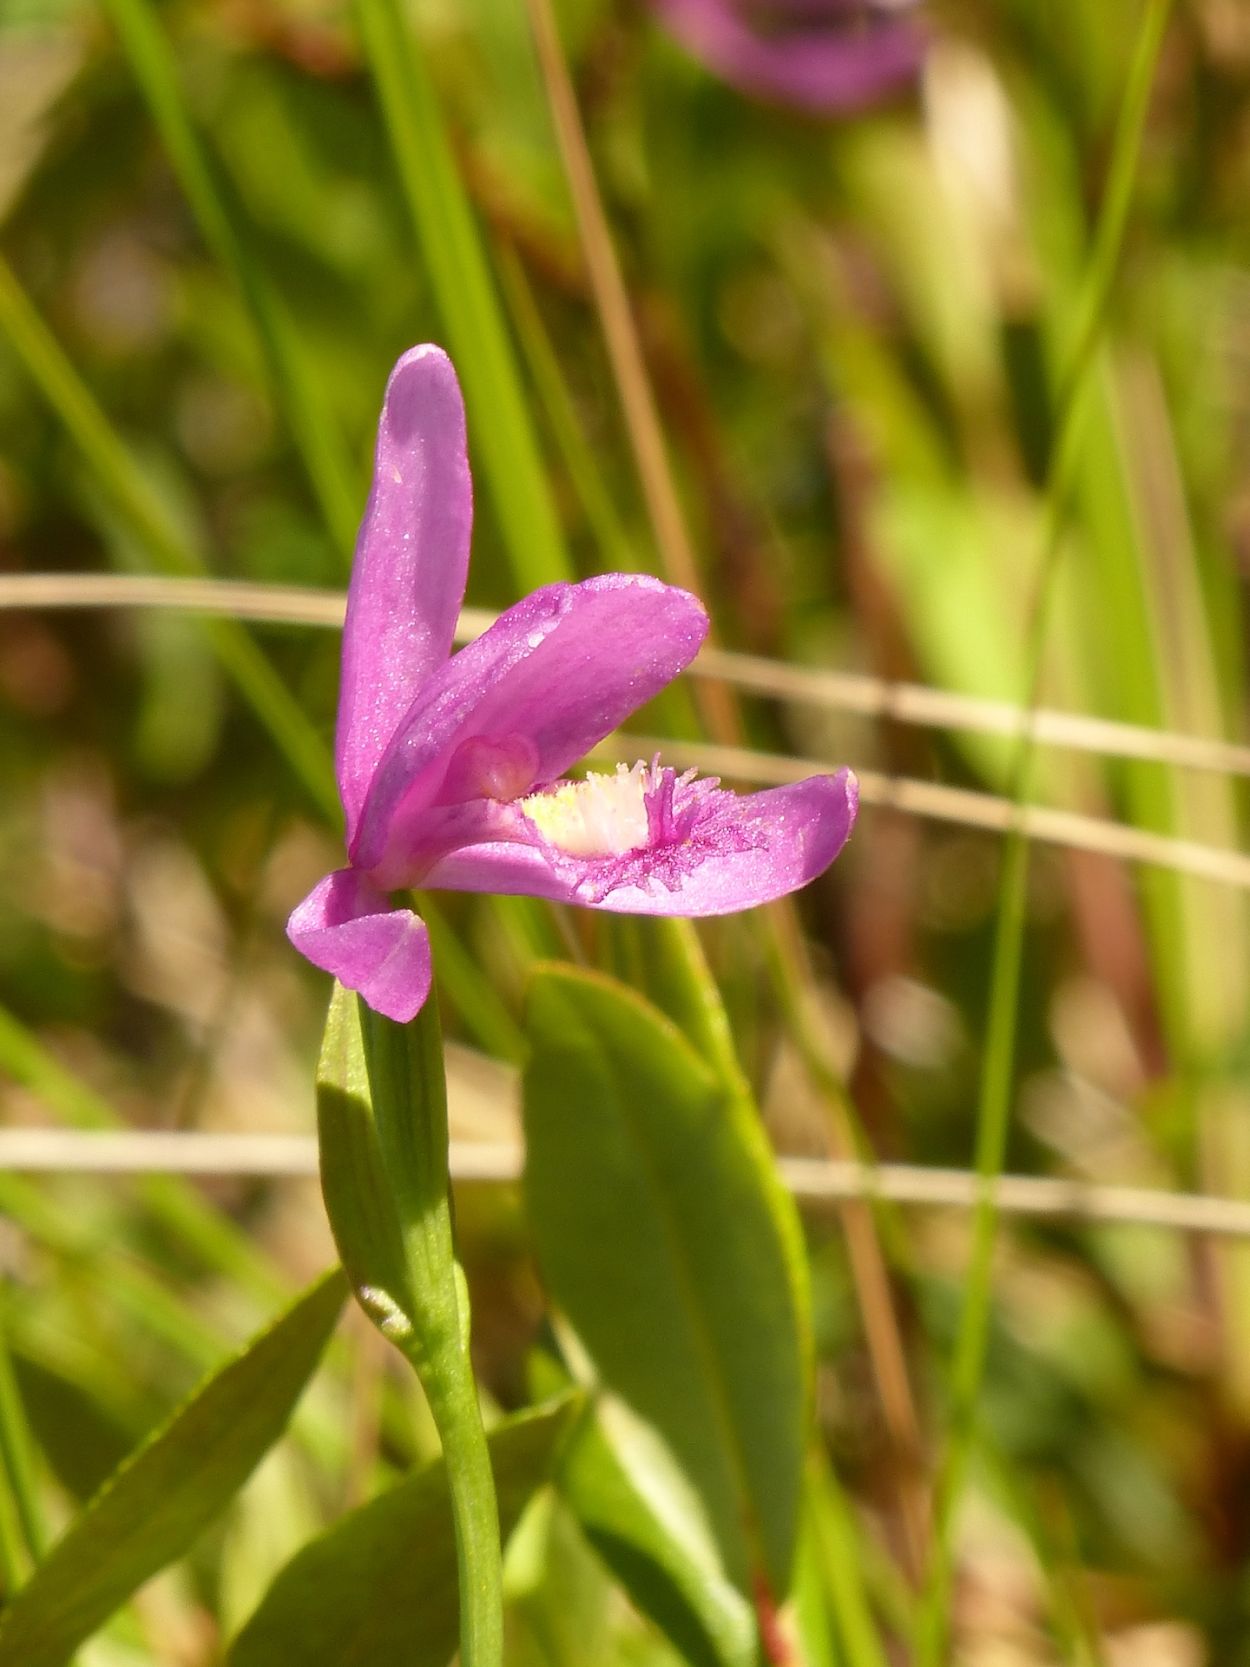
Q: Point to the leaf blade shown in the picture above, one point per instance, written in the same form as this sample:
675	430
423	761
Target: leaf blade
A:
155	1505
658	1226
641	1517
323	1608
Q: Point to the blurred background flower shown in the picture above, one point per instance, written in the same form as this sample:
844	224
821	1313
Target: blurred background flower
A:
826	56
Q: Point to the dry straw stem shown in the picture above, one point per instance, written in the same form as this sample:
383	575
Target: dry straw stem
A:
835	691
905	702
814	1182
959	805
629	371
612	302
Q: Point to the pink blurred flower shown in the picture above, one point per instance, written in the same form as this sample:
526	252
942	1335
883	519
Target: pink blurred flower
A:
824	56
450	767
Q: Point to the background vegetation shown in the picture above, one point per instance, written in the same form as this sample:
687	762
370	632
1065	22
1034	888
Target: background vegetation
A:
952	391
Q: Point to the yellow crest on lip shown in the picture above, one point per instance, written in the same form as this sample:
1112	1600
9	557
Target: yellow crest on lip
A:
602	816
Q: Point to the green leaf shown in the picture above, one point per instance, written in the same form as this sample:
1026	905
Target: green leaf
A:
642	1517
154	1507
380	1586
665	1237
563	1608
80	1437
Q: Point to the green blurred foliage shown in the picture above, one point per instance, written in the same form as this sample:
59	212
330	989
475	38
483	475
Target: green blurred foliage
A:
855	330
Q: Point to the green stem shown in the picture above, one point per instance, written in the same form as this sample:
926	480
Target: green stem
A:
474	1511
409	1094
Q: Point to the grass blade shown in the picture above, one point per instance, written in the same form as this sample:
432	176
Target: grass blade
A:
192	1222
998	1059
17	1458
153	1508
127	490
642	418
584	469
298	393
465	291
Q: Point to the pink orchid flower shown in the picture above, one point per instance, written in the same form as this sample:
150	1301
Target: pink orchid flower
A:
451	767
827	57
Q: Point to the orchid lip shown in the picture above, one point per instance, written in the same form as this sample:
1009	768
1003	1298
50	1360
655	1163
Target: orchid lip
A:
643	825
599	816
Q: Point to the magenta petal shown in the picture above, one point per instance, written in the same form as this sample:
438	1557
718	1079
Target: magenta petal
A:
795	831
411	561
552	676
346	927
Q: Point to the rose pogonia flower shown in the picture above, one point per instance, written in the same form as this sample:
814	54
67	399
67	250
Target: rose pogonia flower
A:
451	767
824	56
